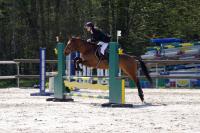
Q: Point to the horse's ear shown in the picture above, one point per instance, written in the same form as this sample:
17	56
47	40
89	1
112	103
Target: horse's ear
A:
78	37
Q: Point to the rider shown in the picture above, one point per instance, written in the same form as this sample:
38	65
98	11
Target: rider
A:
98	37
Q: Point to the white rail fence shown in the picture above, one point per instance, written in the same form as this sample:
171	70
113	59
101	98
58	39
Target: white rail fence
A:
17	62
150	63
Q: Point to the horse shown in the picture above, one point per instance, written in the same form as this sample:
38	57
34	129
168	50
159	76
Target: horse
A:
127	63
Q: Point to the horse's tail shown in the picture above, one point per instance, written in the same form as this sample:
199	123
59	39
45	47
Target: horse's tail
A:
145	70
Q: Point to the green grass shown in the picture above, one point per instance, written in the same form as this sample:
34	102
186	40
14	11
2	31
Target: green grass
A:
13	83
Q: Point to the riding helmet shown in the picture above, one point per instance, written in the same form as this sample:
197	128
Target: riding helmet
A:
89	24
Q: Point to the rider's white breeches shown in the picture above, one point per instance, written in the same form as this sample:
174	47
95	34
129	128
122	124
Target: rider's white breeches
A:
103	47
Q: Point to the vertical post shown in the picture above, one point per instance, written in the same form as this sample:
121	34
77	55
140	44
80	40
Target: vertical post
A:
18	74
42	69
59	87
100	72
59	82
116	85
42	91
119	35
157	74
67	65
115	94
123	91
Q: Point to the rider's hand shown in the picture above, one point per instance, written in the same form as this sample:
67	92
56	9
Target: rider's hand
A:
88	40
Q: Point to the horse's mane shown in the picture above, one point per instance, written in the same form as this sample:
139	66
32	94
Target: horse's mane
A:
91	45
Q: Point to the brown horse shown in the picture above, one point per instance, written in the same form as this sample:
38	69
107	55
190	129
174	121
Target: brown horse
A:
127	63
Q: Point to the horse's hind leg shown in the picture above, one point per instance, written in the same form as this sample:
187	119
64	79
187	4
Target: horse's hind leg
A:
137	82
130	68
140	91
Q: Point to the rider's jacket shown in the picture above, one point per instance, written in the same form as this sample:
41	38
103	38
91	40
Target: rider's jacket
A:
99	36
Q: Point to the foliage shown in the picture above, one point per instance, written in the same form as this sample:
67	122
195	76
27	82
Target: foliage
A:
26	25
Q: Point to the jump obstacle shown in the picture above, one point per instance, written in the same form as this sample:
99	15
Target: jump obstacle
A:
116	85
83	85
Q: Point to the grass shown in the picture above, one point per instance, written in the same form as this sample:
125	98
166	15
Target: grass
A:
13	83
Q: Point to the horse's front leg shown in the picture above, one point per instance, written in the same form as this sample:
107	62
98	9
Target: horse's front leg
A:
75	64
77	61
86	63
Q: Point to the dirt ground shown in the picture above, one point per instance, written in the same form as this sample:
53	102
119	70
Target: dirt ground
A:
167	111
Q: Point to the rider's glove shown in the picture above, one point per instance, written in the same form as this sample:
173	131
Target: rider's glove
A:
88	40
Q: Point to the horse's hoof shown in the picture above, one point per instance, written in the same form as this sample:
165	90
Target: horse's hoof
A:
144	103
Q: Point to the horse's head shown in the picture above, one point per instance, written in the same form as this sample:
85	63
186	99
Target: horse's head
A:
72	45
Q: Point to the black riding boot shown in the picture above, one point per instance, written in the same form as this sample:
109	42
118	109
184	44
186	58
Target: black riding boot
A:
106	56
103	57
100	56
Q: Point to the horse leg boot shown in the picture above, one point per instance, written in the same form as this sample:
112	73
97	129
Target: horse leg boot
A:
77	61
74	61
137	82
75	64
78	66
131	69
140	91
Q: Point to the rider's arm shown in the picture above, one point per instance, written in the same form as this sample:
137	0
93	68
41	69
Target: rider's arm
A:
93	38
104	37
99	36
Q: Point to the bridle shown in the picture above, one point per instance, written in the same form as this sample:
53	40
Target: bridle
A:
69	48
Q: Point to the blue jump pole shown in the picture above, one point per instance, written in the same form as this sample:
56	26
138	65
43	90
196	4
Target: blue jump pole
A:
42	89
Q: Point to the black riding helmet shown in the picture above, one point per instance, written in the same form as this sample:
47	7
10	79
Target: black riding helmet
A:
89	24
